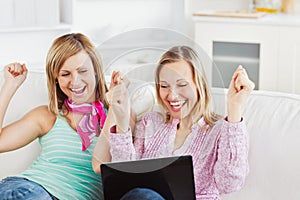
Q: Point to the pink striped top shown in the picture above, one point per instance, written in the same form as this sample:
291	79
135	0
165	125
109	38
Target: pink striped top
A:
220	153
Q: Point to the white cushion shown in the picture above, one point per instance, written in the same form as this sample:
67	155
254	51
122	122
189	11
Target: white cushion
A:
142	95
273	122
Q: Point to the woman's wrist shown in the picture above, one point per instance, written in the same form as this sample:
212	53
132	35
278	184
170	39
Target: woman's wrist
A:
10	86
234	113
116	129
234	119
121	129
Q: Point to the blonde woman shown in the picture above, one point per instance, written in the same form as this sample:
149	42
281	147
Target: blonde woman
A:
189	126
67	128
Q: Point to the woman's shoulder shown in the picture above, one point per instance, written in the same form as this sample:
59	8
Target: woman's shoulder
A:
42	111
43	116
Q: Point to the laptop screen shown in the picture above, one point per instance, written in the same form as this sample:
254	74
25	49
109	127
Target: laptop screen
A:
171	177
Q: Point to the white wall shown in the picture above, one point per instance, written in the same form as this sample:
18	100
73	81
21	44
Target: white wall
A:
100	19
123	29
28	27
104	18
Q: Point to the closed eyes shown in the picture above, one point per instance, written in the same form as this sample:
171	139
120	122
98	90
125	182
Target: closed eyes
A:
178	85
80	72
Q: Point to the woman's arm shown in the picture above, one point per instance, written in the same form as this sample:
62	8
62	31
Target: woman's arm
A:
101	153
239	89
231	166
34	124
29	127
14	76
119	114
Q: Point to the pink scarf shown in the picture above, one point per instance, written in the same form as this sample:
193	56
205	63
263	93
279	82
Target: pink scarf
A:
88	126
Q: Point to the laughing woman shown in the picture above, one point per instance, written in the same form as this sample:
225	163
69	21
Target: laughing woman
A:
189	126
67	128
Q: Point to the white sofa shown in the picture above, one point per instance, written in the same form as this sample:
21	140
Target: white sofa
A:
273	121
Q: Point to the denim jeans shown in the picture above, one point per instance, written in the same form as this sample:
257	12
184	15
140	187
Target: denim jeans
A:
142	194
13	188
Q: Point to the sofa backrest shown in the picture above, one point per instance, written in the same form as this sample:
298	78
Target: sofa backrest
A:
272	118
273	123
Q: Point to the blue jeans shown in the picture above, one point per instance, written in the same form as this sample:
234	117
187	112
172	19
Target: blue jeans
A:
142	194
13	188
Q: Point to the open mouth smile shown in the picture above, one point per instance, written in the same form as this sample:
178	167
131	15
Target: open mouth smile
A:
78	91
176	105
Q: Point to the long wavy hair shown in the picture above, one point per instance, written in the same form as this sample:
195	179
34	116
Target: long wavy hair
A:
203	107
63	48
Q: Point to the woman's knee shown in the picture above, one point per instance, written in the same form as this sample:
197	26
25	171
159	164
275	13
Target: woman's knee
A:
13	188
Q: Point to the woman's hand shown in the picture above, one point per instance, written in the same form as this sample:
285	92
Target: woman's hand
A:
15	74
120	107
119	101
116	79
239	89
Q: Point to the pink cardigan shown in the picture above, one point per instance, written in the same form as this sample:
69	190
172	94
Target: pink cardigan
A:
220	153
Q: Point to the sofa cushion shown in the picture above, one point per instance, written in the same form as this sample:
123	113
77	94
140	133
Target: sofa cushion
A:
273	122
142	95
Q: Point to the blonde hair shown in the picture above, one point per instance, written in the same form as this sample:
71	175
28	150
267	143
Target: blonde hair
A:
62	48
203	108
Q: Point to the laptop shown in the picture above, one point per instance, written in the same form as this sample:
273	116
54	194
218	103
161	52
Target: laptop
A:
171	177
